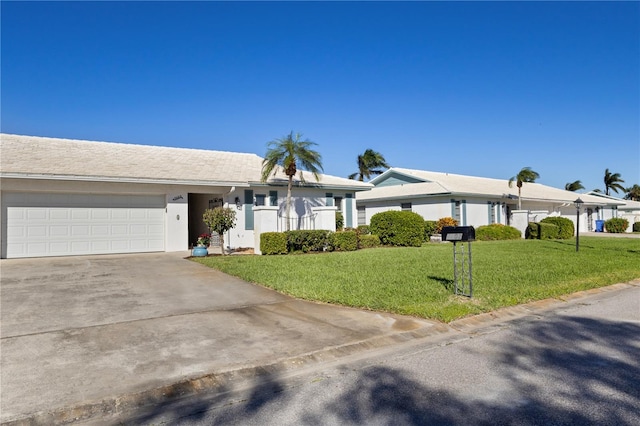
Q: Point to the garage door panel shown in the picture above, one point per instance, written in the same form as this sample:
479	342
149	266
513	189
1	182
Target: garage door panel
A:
67	224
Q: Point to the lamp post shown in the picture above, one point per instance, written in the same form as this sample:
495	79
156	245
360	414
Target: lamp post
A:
578	204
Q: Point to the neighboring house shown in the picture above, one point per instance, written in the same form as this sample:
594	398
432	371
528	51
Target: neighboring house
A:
476	201
72	197
628	209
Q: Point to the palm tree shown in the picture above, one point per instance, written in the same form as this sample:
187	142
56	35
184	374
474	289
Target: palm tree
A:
369	164
526	175
633	193
612	181
574	186
290	152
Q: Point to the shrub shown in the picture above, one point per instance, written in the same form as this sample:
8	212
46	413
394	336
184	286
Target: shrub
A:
339	220
548	231
445	221
306	241
398	228
616	225
533	231
429	229
636	227
364	230
497	231
565	226
368	241
273	243
344	241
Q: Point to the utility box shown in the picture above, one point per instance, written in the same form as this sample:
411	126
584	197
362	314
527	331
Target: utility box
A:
458	233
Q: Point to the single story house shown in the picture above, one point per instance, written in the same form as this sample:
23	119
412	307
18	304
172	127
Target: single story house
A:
72	197
629	209
476	201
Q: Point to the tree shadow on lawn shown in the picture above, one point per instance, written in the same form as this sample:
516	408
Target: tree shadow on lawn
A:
590	372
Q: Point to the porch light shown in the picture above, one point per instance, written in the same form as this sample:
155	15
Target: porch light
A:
578	203
238	205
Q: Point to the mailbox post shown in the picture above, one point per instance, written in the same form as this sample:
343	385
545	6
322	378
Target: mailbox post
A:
462	271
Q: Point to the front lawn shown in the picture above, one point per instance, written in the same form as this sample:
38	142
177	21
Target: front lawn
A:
419	281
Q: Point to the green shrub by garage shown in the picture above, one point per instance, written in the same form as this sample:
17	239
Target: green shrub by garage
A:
344	241
616	225
497	231
398	228
364	230
273	243
565	226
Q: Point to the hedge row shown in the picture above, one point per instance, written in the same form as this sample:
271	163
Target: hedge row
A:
315	241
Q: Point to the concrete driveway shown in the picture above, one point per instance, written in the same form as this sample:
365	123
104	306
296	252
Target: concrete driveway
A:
84	336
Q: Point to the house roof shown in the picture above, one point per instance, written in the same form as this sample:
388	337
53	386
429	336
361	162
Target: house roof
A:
53	158
628	204
438	183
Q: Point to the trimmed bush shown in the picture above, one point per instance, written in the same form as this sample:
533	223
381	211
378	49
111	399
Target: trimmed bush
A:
548	231
533	231
398	228
429	229
497	231
636	227
368	241
273	243
339	220
344	241
616	225
445	221
306	241
565	226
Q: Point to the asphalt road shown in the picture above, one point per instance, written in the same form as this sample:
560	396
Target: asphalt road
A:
577	364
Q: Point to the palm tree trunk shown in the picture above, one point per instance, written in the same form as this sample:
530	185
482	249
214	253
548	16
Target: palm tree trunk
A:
519	198
289	202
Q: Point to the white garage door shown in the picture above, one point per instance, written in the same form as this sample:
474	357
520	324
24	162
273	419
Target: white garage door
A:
75	224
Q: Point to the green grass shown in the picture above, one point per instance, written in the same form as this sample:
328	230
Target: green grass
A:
419	281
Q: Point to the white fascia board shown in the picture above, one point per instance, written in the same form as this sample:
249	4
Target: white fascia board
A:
307	184
120	180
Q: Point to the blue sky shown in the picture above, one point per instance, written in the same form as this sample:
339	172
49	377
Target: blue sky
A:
477	88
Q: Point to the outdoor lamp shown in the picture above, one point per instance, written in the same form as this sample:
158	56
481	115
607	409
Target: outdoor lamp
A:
238	205
578	203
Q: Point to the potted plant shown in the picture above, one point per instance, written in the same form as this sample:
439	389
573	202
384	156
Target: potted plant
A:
201	245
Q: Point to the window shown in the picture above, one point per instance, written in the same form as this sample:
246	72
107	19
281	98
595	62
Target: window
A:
338	203
362	215
261	199
456	211
248	209
273	198
406	207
